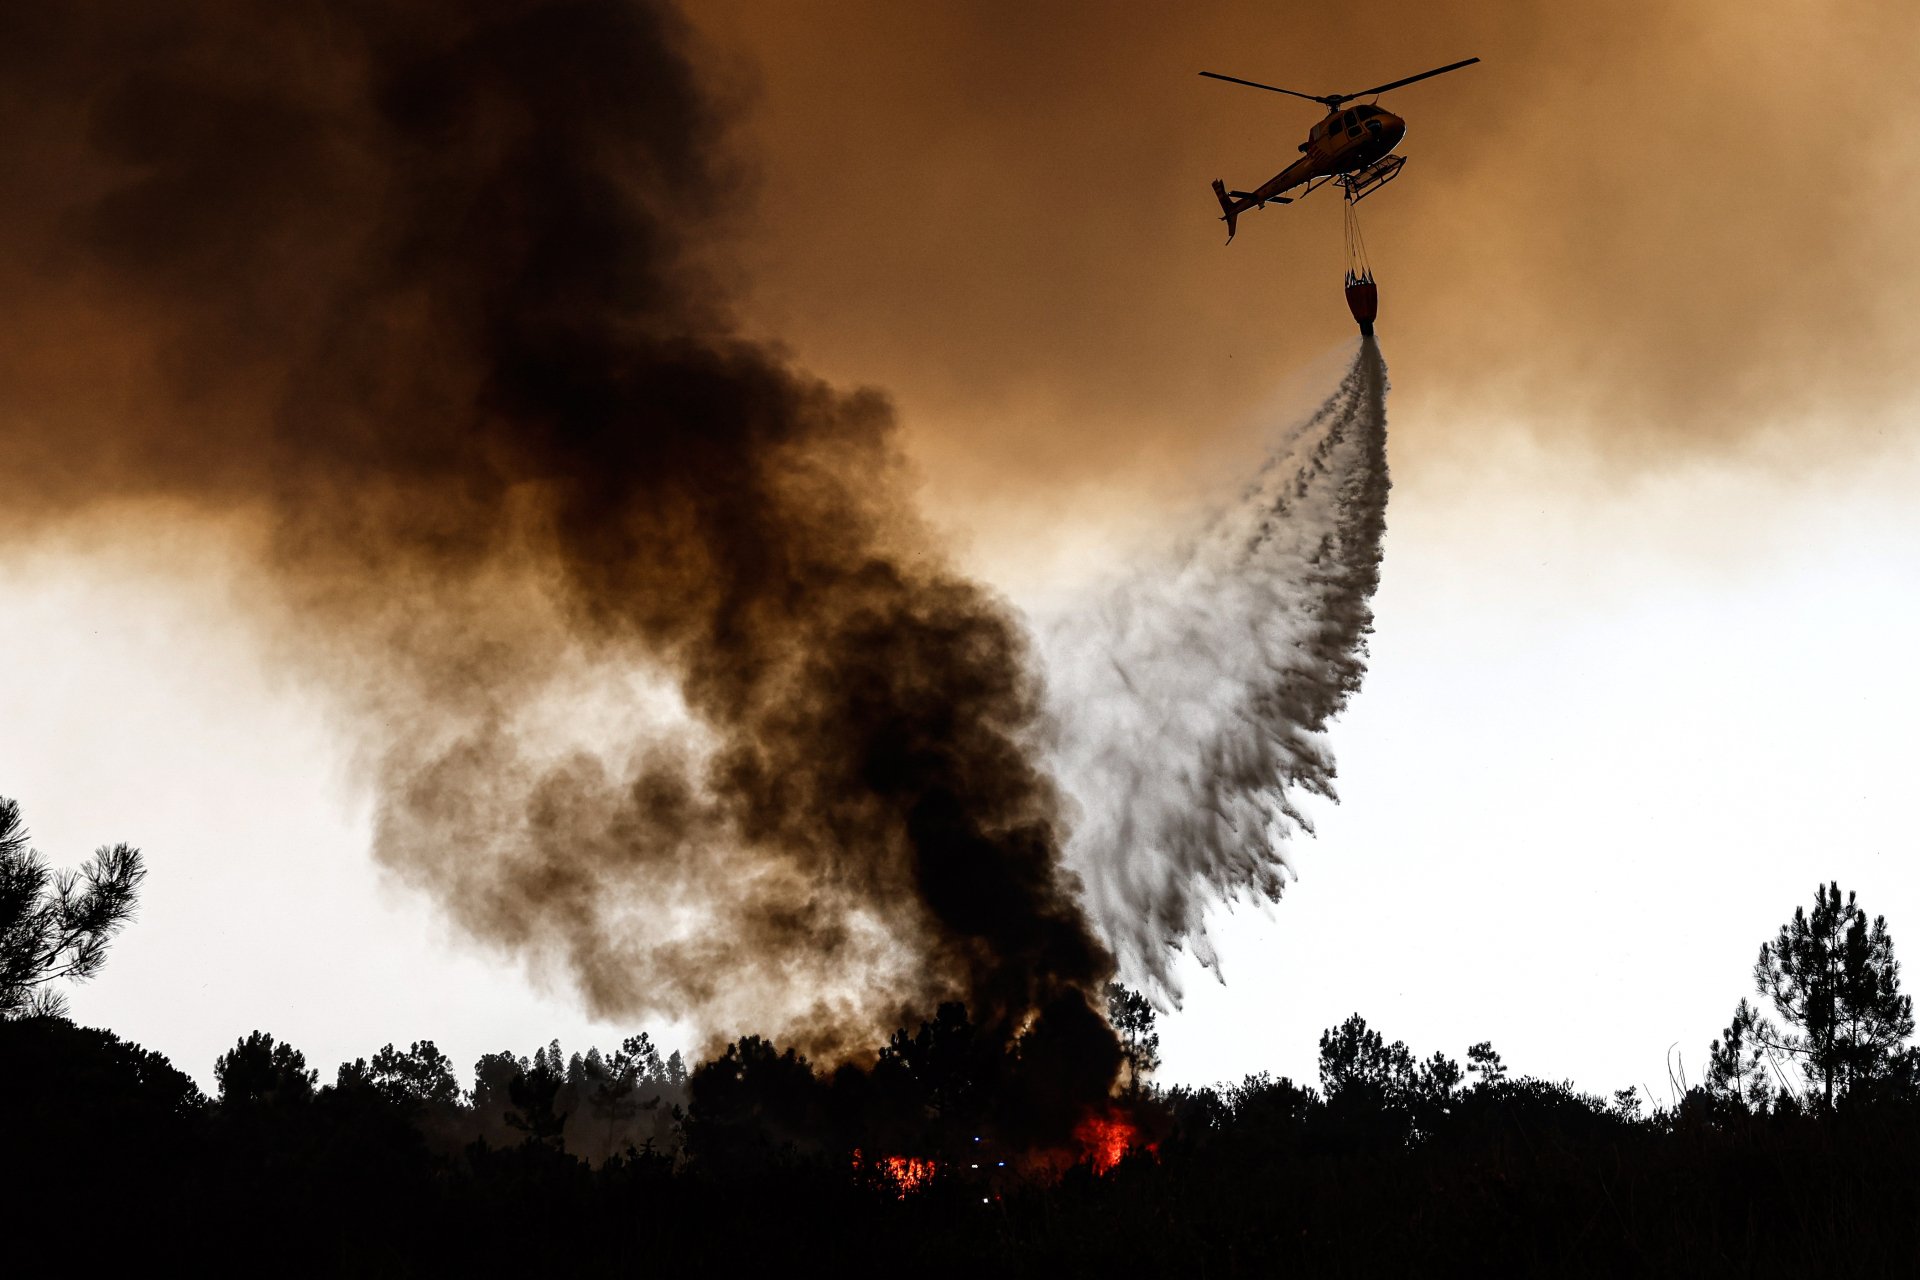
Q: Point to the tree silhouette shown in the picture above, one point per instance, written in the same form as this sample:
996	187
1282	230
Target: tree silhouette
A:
259	1070
1484	1062
420	1076
1436	1084
1354	1059
1834	977
56	925
1377	1091
950	1072
752	1106
534	1093
1132	1016
618	1085
1369	1085
492	1072
1737	1067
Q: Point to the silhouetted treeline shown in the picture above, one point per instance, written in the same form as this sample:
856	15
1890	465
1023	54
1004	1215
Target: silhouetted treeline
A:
955	1151
1387	1165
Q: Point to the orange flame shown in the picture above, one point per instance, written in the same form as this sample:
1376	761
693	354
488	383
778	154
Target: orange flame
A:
905	1173
1106	1139
908	1173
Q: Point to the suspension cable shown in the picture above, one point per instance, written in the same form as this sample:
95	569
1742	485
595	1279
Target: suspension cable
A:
1357	266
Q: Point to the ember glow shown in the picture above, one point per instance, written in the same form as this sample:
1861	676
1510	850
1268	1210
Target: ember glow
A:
1107	1139
908	1173
904	1174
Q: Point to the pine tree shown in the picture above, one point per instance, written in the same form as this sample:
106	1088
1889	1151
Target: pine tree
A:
57	925
1357	1060
1132	1016
1737	1066
1834	977
260	1071
1485	1062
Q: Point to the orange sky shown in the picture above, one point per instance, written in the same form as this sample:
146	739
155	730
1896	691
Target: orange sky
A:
1656	226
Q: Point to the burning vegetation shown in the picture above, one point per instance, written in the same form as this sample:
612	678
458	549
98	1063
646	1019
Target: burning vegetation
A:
1101	1140
902	1174
949	1100
1109	1137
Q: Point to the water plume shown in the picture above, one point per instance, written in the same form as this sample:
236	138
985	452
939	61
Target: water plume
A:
1189	696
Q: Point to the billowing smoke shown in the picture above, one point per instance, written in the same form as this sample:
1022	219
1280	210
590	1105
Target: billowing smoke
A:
1190	697
659	684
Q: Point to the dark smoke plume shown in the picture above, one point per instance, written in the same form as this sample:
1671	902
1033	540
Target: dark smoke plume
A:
661	685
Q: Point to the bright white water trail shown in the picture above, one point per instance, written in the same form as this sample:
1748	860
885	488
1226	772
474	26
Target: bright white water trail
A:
1189	698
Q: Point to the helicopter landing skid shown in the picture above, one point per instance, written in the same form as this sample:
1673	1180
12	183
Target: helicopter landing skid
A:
1358	186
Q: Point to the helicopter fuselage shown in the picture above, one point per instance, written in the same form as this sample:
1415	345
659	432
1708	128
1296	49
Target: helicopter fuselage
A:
1344	142
1350	140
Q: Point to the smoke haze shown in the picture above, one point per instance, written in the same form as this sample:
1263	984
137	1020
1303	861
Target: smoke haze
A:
422	293
1650	230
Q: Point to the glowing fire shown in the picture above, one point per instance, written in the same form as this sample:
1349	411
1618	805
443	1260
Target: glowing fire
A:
908	1173
904	1173
1106	1139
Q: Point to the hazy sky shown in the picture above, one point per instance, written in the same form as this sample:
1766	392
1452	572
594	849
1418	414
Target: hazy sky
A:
1642	668
1660	226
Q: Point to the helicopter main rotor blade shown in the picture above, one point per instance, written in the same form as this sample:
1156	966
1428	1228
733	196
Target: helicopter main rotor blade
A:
1382	88
1255	84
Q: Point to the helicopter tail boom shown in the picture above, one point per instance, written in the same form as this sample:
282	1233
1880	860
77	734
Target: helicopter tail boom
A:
1235	203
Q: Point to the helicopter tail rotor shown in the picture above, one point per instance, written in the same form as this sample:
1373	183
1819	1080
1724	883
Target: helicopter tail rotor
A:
1231	214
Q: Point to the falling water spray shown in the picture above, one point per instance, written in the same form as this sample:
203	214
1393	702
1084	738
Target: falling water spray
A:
1189	698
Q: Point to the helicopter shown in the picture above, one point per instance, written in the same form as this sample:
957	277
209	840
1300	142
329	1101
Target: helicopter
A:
1353	147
